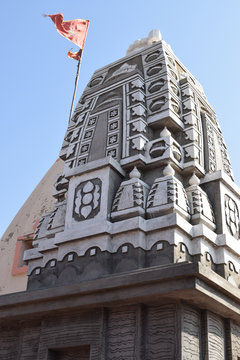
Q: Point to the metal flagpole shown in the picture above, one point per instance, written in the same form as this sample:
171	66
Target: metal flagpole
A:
76	84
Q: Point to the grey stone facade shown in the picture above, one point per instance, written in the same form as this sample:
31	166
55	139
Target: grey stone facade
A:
139	258
148	113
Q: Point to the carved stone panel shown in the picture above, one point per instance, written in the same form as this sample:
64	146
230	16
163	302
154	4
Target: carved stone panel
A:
216	337
232	216
121	334
235	340
87	199
161	336
191	334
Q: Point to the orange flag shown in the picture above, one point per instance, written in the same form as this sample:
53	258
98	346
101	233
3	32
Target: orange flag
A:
73	30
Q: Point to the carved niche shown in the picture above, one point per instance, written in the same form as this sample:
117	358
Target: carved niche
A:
87	199
232	216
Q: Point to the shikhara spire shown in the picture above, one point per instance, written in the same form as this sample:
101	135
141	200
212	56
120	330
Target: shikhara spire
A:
139	257
147	112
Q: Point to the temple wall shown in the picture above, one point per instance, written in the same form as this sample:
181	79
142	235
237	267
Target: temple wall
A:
143	331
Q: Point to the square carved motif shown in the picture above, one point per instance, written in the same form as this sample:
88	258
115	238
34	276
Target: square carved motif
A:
113	113
113	126
113	139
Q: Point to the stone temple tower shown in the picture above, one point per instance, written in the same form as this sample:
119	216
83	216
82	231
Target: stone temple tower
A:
139	258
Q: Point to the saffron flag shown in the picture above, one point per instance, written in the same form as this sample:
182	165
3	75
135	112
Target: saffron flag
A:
73	30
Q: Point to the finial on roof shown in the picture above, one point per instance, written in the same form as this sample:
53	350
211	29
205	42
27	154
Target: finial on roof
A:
153	37
135	173
194	180
165	132
168	170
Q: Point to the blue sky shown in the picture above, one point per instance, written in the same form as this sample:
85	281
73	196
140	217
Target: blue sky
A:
37	78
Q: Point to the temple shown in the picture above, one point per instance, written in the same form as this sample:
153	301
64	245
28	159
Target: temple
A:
138	257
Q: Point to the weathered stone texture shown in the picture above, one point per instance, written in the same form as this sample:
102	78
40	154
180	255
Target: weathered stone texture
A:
170	331
191	334
161	332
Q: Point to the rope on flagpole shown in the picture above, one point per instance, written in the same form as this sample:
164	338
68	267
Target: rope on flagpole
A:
76	84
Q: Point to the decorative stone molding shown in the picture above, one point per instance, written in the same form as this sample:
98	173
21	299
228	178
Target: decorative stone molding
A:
232	216
167	195
200	206
87	199
130	199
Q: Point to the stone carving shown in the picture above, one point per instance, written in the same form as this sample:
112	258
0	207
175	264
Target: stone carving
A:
38	228
86	104
53	213
153	70
138	97
77	118
193	127
157	104
139	126
160	67
135	119
92	121
113	125
211	145
74	135
137	84
82	161
113	133
174	88
188	105
80	119
165	132
84	148
138	110
225	157
190	119
130	198
158	148
161	322
191	334
112	139
153	37
165	147
176	152
232	216
192	135
167	194
235	332
138	143
88	134
174	75
121	333
96	81
122	119
192	152
125	68
152	56
87	199
172	62
156	86
60	187
113	113
200	206
187	92
175	106
112	153
216	340
70	150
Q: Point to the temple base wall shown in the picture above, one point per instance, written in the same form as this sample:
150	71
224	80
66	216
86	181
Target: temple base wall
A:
166	312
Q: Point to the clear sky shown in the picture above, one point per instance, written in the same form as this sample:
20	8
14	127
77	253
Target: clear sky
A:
37	77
